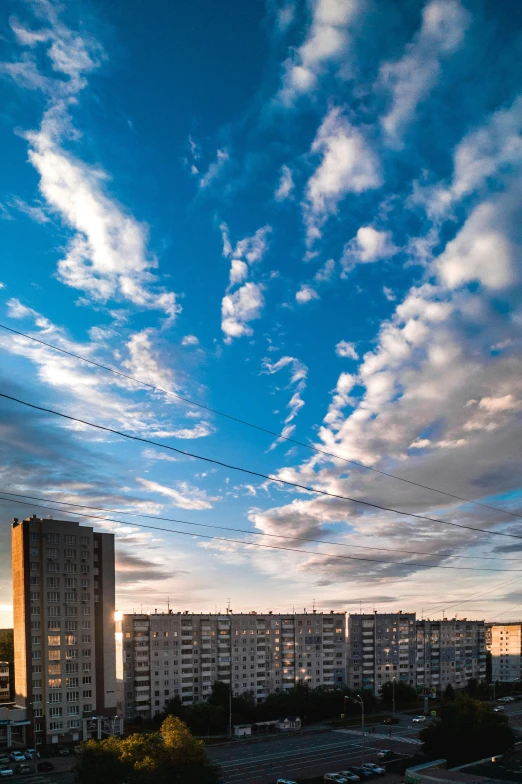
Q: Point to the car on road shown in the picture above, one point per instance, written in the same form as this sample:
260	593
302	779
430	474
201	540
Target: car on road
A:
349	775
23	768
498	709
17	756
391	720
374	768
418	719
285	781
336	778
45	767
506	699
386	754
5	771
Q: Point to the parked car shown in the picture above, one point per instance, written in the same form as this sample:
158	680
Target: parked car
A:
63	751
17	756
4	759
335	777
285	781
5	771
498	709
45	767
23	768
374	768
358	770
418	719
31	754
349	775
78	750
387	754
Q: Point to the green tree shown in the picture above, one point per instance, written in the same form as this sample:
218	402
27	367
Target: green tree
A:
169	756
449	693
405	695
467	730
7	653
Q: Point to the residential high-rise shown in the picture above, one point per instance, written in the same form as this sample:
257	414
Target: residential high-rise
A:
167	654
63	595
504	642
5	688
381	647
450	652
427	655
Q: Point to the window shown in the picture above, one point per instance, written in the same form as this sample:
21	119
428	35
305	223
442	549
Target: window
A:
71	626
52	552
36	639
86	652
73	696
69	539
54	669
53	626
87	707
55	712
73	710
53	582
70	596
86	667
53	611
53	639
86	637
33	551
34	596
55	725
87	625
86	610
71	667
52	566
37	668
86	583
34	537
84	541
85	555
70	582
36	655
55	683
35	610
37	684
71	611
86	679
86	597
68	553
70	683
53	596
54	654
34	566
87	693
71	639
70	568
85	569
52	538
35	626
74	724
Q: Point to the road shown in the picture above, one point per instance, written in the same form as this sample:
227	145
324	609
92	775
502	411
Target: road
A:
308	754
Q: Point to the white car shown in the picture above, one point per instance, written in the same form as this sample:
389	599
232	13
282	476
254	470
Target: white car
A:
349	775
498	709
17	756
374	768
5	771
418	719
285	781
335	777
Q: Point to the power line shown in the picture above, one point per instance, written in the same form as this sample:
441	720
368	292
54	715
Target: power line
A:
407	564
471	597
250	472
252	425
252	533
503	613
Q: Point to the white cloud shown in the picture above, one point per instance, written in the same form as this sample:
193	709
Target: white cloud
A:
306	294
16	310
345	349
215	169
325	273
225	236
297	382
253	248
327	41
37	213
240	307
410	79
186	496
367	246
348	165
495	404
238	272
388	293
201	430
484	237
286	184
144	361
189	340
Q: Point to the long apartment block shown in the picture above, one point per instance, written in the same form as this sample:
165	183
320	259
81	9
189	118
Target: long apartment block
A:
428	655
63	593
504	642
169	654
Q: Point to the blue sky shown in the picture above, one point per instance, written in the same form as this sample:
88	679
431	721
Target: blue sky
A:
303	214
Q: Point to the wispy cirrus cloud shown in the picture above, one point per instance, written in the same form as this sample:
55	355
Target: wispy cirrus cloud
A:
183	494
299	373
410	79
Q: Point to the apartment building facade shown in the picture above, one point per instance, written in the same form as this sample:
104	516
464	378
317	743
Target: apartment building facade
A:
5	686
381	648
504	642
182	654
63	594
427	655
450	652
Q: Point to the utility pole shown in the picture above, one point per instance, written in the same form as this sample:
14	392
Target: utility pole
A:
230	712
358	699
393	698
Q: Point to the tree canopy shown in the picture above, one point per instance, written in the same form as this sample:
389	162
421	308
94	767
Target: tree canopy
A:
169	756
467	730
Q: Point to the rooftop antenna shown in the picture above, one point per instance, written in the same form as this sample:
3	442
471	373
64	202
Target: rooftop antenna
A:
360	607
313	605
168	604
228	606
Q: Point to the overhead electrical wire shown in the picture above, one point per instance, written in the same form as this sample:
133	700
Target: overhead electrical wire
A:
247	531
406	564
250	472
470	597
252	425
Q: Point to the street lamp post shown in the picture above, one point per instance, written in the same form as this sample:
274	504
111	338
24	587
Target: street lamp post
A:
393	697
358	699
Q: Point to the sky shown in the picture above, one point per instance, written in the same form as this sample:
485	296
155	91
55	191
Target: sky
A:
305	215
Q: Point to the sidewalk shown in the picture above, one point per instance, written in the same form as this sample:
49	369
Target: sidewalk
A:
381	736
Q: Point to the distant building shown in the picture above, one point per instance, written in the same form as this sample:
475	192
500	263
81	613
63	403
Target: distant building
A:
63	593
504	642
427	655
182	654
381	648
450	652
5	686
